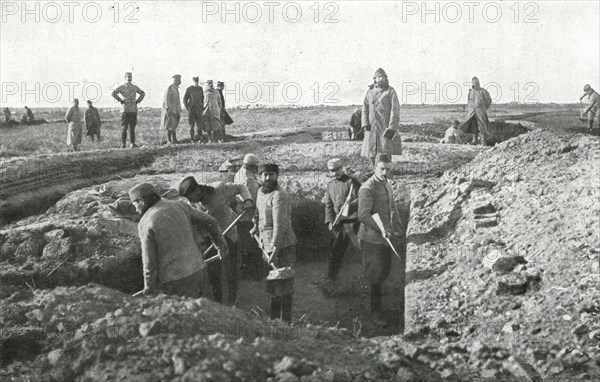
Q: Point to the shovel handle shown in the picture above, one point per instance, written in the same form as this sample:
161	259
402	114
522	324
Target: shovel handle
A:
267	257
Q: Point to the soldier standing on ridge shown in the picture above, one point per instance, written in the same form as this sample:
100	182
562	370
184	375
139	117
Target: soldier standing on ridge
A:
479	101
75	121
92	121
212	113
171	109
225	118
380	117
193	100
129	117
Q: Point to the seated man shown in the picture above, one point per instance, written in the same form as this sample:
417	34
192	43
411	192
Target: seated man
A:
453	134
355	130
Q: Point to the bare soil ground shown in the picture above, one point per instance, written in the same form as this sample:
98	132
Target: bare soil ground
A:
475	310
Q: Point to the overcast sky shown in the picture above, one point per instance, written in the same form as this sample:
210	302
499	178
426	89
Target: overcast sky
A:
287	53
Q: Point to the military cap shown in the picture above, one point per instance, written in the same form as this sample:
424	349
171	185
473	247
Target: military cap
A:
383	158
142	190
187	186
250	159
334	164
268	167
379	72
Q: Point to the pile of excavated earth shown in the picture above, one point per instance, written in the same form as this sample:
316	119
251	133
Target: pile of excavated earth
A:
502	269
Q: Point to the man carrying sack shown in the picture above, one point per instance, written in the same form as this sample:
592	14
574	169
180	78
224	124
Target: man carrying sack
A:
273	221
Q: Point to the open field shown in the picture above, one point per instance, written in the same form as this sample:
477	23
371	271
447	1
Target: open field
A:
51	137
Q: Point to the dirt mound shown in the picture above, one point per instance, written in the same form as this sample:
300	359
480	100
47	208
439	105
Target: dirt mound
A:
94	333
515	233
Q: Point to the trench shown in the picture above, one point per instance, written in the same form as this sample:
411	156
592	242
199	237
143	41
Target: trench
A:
344	305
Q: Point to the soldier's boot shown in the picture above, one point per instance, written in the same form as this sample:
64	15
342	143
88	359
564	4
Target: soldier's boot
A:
275	312
192	134
175	137
169	136
286	308
124	139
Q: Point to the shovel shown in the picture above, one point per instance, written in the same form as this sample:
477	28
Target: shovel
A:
279	278
217	257
379	223
267	257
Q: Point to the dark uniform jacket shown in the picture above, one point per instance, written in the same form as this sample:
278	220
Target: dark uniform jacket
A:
193	99
225	118
377	197
335	197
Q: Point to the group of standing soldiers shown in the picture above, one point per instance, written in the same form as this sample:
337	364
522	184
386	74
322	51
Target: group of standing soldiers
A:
206	113
206	110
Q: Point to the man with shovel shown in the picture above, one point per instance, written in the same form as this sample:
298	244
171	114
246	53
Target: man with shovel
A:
341	207
273	221
213	199
380	236
593	108
172	262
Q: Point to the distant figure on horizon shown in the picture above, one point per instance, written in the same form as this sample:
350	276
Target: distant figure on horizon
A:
73	118
29	114
7	115
193	100
380	117
593	108
355	131
92	121
479	101
171	110
129	117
